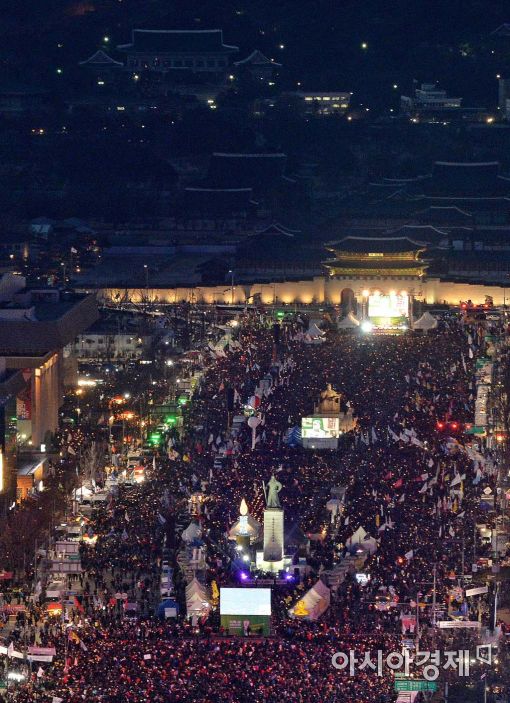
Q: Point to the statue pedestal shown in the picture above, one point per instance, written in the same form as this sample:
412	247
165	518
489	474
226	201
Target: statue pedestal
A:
273	539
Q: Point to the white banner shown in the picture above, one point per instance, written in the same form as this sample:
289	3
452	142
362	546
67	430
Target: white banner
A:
40	658
458	624
477	591
49	651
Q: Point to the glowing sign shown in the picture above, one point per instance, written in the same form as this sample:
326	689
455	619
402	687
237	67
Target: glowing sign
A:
386	306
320	427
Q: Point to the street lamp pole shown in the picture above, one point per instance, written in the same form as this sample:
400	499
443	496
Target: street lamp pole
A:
146	268
231	272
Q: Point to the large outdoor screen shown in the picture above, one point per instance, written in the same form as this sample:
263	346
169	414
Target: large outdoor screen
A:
320	427
245	601
387	306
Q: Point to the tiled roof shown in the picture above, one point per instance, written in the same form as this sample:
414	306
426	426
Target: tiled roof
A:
258	171
466	180
257	58
178	41
217	200
379	245
100	58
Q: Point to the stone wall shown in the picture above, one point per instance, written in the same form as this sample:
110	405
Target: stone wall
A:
316	290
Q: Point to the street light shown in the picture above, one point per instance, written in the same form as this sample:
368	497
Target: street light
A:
146	275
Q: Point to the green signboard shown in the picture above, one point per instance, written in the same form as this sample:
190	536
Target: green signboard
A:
155	438
475	429
237	624
415	685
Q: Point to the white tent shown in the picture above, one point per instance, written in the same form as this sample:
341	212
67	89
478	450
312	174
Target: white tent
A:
334	505
192	532
349	322
82	493
357	537
314	603
314	330
197	602
425	322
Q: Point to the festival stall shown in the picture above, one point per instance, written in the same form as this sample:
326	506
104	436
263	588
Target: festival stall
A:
349	322
314	603
191	533
314	335
168	608
197	602
425	323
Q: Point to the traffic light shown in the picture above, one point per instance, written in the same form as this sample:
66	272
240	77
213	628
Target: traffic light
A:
453	426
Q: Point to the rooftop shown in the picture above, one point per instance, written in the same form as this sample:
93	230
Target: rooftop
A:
49	327
217	200
378	245
257	58
480	179
258	171
180	41
377	264
100	58
423	234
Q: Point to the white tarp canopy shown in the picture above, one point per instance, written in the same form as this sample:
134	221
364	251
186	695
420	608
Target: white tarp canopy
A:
315	602
197	601
192	532
314	330
362	539
425	322
82	492
358	536
349	322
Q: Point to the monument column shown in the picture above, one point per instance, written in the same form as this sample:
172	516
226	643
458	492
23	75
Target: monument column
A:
274	537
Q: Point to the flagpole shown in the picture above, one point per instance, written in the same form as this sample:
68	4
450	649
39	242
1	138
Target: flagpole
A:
434	598
417	621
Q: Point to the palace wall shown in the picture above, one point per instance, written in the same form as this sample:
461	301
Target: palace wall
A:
317	290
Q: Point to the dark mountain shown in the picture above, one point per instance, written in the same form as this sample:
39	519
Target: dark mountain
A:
431	40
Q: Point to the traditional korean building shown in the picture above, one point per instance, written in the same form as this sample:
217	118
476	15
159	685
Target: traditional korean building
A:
473	194
168	50
102	71
247	181
376	257
261	172
258	66
214	213
100	61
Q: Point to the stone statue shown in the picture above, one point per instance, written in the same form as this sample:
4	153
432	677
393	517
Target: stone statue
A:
330	400
271	490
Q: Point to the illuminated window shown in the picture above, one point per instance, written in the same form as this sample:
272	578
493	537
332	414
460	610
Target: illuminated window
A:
375	254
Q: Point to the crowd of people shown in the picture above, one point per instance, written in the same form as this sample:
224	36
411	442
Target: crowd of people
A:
410	485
